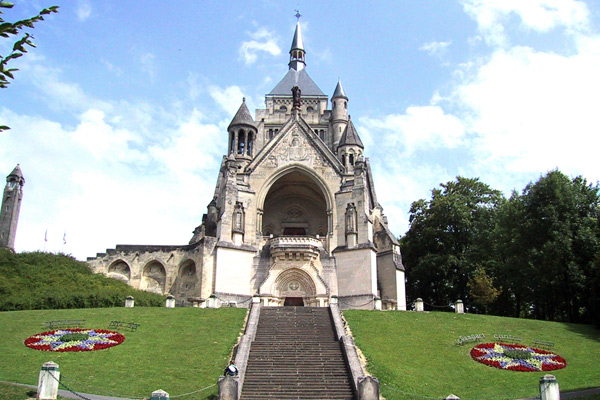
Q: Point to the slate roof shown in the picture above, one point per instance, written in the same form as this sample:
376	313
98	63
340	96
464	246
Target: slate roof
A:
350	136
297	43
242	117
296	78
17	172
339	91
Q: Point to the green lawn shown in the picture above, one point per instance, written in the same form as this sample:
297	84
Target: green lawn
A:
414	356
178	350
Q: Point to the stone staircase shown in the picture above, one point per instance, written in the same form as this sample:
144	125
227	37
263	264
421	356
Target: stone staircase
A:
295	355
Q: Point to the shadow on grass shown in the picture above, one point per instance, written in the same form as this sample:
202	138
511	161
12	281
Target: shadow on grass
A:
590	332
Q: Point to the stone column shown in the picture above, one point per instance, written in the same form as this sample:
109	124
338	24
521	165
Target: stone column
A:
170	302
459	307
159	395
48	381
549	388
129	302
419	305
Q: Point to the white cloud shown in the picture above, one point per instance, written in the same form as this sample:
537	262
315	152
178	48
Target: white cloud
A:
535	111
436	48
84	10
492	16
148	64
424	127
229	98
263	40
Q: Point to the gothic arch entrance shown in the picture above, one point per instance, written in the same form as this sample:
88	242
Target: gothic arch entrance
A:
295	287
295	205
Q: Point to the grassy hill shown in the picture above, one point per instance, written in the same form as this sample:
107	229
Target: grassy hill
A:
414	355
39	280
179	350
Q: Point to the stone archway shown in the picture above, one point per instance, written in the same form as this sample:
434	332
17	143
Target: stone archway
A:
154	278
119	270
295	205
294	286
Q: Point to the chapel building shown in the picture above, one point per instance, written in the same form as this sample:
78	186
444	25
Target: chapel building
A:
294	217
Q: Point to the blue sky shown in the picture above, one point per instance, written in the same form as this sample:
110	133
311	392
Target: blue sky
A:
119	115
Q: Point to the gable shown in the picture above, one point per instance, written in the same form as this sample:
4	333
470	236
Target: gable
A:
296	143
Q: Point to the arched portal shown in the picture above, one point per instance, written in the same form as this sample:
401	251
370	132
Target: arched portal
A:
295	205
295	287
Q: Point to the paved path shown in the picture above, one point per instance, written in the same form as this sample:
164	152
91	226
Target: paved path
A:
68	395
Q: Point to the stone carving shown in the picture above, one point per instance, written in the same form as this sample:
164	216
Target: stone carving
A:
271	161
298	151
294	215
297	96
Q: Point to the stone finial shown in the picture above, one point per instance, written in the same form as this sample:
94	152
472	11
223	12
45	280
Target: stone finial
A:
228	387
129	302
459	307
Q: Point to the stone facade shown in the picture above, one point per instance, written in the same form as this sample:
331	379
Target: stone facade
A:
294	216
11	206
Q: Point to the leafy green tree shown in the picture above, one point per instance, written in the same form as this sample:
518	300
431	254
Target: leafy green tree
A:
482	290
449	236
8	29
560	228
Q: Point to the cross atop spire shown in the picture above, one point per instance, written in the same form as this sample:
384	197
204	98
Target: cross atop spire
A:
298	15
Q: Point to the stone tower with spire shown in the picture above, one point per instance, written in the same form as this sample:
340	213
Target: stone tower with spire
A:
11	206
294	217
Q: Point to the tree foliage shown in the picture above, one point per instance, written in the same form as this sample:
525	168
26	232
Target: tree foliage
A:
542	247
9	29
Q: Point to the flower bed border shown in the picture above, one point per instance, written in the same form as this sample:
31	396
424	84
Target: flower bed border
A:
491	354
105	339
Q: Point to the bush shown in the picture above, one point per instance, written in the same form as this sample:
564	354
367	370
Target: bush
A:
36	281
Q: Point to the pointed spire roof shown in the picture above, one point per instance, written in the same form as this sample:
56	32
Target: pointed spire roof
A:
297	43
243	116
339	91
16	173
350	136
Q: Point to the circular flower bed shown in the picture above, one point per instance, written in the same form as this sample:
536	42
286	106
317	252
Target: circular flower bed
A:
516	357
75	339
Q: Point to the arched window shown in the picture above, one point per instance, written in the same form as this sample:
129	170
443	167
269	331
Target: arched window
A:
344	159
270	134
351	159
322	134
241	144
310	109
283	109
250	143
232	144
334	105
345	105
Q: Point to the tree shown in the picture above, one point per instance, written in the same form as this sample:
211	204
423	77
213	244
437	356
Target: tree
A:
482	290
8	29
561	229
449	236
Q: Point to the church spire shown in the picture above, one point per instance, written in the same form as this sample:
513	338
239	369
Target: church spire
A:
297	52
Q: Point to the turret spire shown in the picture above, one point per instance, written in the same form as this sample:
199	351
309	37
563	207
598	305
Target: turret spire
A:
297	52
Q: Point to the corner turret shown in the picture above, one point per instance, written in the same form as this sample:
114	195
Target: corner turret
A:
350	148
242	134
339	113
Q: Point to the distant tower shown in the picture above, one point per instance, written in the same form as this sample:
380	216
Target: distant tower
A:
11	205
